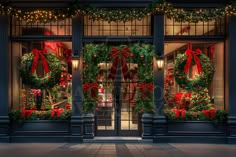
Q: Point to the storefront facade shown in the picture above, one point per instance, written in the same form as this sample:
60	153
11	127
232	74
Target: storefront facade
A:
106	95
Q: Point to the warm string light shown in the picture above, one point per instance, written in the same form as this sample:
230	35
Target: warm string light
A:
161	7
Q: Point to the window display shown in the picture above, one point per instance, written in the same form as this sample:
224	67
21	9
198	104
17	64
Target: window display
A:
190	81
46	80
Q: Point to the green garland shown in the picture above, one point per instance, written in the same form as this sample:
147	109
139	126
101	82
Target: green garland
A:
219	116
16	115
140	53
30	79
157	7
200	81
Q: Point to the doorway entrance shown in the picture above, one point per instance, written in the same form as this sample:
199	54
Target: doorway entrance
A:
115	114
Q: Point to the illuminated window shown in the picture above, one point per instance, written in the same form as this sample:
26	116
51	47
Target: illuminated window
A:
130	28
20	28
215	51
211	28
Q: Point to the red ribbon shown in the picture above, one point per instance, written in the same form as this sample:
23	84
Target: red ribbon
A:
119	56
92	88
193	54
145	88
38	54
36	92
209	113
179	112
26	113
58	112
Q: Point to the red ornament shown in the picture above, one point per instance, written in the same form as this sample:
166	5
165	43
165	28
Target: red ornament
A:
131	55
141	56
170	99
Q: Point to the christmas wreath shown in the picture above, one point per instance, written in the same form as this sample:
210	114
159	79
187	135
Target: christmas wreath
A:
204	67
52	68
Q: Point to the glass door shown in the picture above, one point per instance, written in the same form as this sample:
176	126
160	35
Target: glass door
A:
115	114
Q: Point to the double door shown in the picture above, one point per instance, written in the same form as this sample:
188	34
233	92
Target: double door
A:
115	114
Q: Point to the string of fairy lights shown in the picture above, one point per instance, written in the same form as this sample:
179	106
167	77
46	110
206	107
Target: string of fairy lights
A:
158	7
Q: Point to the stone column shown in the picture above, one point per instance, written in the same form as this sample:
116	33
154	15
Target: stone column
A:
76	119
4	69
159	119
230	86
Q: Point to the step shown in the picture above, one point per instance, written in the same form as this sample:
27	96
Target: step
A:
116	139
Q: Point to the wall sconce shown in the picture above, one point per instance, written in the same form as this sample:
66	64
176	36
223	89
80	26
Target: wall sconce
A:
75	62
160	62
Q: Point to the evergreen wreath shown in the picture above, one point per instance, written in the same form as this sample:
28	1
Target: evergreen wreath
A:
201	80
140	53
30	78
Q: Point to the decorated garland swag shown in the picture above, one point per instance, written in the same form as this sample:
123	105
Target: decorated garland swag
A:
52	68
204	67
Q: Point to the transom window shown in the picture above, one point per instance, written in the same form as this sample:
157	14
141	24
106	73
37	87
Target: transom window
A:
211	28
131	28
58	28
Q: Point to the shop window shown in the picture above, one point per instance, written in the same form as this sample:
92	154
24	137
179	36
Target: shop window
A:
104	28
56	97
58	28
211	28
181	98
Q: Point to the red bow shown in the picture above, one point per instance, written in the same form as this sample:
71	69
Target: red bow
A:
119	56
92	88
38	53
26	113
36	92
145	88
193	54
179	112
209	113
58	112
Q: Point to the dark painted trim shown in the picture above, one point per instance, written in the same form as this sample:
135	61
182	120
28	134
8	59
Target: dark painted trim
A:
158	42
4	66
4	79
40	3
193	132
77	92
232	63
199	3
115	4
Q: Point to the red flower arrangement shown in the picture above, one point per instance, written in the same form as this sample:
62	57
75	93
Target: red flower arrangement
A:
53	114
182	114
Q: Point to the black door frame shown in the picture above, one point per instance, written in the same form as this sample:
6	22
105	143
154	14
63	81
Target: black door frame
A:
117	114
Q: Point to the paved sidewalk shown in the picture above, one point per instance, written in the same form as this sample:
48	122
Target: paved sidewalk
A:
116	150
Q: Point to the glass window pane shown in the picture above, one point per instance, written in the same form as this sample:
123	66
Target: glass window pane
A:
129	28
210	28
